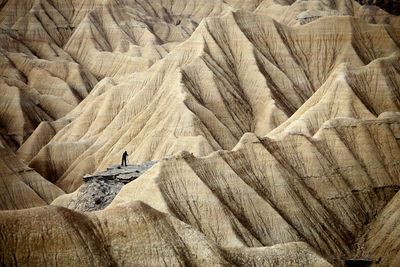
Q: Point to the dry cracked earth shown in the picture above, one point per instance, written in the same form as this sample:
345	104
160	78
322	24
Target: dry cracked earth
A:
264	132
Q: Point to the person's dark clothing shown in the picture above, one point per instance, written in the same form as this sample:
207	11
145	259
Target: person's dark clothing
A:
124	158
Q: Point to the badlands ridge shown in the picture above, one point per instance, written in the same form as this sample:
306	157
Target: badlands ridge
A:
275	124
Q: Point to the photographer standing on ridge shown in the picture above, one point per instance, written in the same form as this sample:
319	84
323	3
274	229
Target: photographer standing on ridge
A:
124	158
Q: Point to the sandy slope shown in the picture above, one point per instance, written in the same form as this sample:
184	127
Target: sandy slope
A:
250	76
126	235
83	81
20	186
324	190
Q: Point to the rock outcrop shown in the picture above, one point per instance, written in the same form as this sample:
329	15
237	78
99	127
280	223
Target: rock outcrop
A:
100	189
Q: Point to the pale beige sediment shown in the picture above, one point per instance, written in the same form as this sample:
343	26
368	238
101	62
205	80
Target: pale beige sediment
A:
323	189
20	186
201	76
125	235
194	99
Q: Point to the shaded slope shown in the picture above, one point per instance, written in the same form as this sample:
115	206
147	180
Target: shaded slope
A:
392	7
316	182
362	93
32	36
40	137
236	74
115	38
129	36
53	20
44	40
323	190
27	100
292	12
21	187
126	235
381	240
44	25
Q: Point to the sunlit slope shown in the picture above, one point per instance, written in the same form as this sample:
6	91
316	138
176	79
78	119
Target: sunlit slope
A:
127	36
292	12
382	236
362	93
27	100
126	235
39	80
323	190
275	123
20	186
236	74
53	52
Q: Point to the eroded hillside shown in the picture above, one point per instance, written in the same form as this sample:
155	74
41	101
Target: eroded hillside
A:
275	123
237	73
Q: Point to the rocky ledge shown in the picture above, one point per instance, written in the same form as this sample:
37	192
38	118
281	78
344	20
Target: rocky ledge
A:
100	188
120	174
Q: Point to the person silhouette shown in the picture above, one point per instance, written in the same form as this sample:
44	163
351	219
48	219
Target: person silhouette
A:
124	158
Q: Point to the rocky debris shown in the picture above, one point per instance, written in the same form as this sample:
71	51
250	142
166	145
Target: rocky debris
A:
391	6
122	174
100	188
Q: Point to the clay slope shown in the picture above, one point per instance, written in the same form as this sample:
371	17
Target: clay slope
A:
382	236
21	187
27	100
126	235
320	82
236	74
110	38
323	190
363	93
292	12
122	37
43	26
31	39
69	43
390	6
